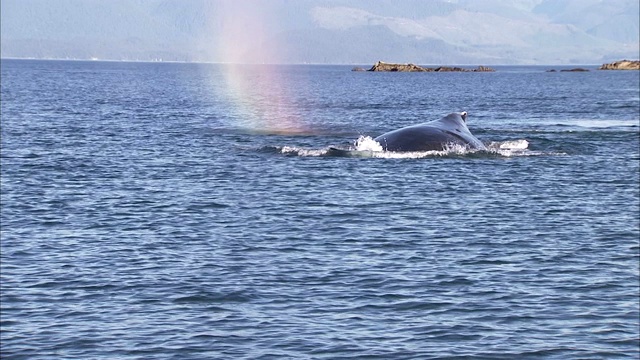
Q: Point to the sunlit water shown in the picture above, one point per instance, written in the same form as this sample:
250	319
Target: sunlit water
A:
174	211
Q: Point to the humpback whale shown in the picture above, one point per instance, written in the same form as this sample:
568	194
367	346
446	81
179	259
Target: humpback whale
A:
435	135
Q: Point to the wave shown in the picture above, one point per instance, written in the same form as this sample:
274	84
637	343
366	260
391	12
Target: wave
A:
367	147
564	126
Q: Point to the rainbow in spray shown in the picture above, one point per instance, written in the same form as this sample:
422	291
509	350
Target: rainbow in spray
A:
260	91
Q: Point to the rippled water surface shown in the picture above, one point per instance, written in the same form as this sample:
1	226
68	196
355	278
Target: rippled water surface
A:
176	211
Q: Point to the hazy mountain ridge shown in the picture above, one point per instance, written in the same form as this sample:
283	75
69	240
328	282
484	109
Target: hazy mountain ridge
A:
325	31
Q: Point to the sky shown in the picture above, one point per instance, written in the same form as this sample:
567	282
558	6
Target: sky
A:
446	32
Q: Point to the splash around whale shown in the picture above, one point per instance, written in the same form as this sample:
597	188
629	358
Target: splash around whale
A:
437	135
446	136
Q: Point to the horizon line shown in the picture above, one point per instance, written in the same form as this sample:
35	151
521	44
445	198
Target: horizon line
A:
281	64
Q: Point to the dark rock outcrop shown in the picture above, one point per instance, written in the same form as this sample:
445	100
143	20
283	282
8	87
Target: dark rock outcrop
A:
357	68
621	65
447	69
382	66
483	69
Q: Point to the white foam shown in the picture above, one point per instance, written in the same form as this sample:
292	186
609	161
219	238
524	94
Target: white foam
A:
369	145
457	149
514	145
408	154
365	146
451	149
509	148
521	144
512	148
303	152
366	143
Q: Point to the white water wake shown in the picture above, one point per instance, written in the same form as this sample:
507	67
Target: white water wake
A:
365	146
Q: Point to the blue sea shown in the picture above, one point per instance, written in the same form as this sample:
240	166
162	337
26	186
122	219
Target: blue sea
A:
197	211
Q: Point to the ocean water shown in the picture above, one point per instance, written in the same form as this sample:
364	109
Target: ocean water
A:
196	211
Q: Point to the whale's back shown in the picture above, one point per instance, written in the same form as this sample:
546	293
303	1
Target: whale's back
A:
434	135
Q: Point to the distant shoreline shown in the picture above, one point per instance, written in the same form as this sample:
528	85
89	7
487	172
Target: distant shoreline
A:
285	64
381	66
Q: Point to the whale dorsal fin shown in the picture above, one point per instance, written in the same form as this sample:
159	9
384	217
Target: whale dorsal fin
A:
453	120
